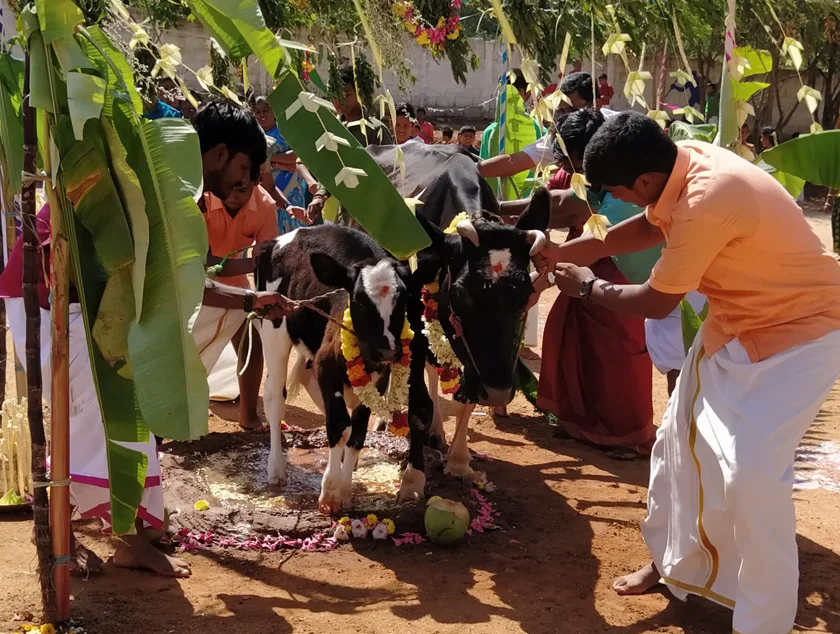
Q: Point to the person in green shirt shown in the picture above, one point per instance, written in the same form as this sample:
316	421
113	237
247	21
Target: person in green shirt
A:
712	103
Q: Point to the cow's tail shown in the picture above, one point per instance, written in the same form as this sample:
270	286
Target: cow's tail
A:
297	377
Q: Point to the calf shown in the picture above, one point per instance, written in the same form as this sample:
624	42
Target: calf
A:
305	264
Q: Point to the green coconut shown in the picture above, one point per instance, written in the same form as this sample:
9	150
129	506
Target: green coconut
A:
446	521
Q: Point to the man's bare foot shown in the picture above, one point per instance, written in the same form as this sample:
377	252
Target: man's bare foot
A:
86	562
638	582
136	552
251	424
500	411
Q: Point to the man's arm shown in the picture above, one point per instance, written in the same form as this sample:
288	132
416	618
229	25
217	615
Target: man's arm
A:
506	165
641	300
631	236
232	297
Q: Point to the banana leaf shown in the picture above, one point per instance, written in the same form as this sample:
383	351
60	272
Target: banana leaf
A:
121	415
691	322
679	131
86	97
11	125
221	27
58	18
793	184
812	157
743	90
166	159
113	66
40	91
338	161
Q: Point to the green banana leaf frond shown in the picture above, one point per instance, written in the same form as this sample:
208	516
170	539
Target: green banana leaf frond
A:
811	157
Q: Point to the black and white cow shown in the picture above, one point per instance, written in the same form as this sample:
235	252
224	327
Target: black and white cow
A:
305	264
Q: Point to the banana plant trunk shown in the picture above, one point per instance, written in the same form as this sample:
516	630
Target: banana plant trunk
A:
31	263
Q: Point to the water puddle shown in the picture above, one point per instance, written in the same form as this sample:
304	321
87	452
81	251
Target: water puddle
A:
818	467
237	479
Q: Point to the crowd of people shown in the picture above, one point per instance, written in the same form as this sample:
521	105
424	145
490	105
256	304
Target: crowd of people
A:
689	222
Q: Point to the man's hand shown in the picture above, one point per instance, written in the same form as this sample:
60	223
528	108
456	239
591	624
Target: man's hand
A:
315	209
569	277
298	213
273	305
313	187
545	260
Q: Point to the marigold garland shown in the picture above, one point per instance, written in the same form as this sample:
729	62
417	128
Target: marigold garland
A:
450	366
393	404
432	38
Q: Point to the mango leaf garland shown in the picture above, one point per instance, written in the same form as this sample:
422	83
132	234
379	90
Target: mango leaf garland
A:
597	225
348	171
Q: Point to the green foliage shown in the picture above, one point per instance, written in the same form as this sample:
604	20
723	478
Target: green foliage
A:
691	322
679	131
812	157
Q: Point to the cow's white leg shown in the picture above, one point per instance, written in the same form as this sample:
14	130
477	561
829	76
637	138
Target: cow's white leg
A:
437	436
458	459
348	466
332	485
412	485
277	345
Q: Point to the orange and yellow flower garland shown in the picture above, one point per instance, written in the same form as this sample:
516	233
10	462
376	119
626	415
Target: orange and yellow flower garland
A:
394	403
450	366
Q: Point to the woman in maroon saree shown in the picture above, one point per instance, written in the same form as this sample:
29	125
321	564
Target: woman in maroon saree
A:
596	375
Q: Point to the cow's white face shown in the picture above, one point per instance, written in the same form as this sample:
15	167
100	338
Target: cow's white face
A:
377	302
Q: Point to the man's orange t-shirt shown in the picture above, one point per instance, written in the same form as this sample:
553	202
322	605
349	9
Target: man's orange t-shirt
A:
255	222
736	235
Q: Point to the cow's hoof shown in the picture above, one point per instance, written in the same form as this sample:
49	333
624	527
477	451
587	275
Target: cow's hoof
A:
277	470
335	495
412	486
458	467
437	442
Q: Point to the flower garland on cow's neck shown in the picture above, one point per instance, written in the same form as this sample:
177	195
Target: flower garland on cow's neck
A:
394	403
432	38
450	366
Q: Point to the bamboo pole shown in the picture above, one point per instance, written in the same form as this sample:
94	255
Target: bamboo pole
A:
60	401
31	256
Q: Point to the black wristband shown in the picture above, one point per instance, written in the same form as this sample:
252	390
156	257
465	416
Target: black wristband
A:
248	302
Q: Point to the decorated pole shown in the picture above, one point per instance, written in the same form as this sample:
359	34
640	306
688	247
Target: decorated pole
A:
59	402
500	185
31	264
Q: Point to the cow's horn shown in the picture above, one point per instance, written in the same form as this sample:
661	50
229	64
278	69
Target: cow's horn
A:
537	241
467	230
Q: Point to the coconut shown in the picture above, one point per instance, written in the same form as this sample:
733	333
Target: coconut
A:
446	521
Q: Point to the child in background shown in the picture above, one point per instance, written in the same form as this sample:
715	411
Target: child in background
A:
466	139
446	135
427	130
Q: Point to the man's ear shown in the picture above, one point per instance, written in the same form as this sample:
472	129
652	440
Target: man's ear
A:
538	212
331	273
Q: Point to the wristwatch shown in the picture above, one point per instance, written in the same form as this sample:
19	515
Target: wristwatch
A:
248	301
586	285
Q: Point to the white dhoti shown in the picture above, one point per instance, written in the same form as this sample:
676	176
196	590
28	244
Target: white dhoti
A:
213	328
664	336
89	490
721	518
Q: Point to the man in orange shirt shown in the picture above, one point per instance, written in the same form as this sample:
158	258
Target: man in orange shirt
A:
248	216
720	520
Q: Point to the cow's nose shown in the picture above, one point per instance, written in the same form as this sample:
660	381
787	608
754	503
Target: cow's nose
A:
493	397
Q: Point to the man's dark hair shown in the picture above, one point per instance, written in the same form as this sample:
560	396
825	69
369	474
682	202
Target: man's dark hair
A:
768	130
625	147
580	83
576	128
602	76
405	110
467	129
446	132
518	80
345	71
421	109
222	121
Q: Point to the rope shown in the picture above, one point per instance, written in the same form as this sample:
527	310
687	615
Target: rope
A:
297	304
43	484
216	269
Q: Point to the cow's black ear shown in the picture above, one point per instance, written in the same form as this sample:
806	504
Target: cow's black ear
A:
332	273
538	213
432	230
